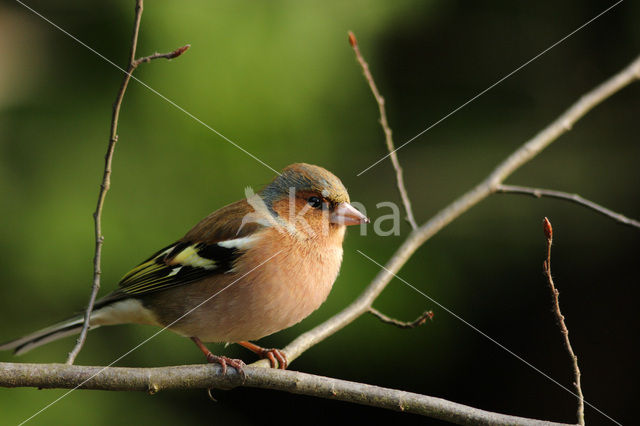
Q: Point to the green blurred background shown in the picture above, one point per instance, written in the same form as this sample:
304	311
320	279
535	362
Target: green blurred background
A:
280	79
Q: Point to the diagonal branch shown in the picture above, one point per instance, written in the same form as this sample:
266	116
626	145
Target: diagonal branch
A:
575	198
387	130
488	186
153	380
106	176
548	232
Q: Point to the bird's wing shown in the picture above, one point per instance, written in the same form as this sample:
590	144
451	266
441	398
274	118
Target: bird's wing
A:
180	263
211	247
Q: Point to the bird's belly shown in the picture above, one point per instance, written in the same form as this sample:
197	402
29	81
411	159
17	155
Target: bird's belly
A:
255	301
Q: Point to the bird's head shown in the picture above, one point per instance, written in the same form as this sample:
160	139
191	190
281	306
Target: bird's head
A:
308	196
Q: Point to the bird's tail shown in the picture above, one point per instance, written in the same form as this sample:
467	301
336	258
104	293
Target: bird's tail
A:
57	331
109	310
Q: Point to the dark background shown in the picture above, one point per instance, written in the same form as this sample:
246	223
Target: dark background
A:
279	79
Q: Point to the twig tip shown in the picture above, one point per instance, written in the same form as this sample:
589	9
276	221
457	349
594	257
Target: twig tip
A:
352	40
179	51
546	227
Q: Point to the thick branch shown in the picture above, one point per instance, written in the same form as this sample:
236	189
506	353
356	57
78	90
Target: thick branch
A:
207	376
548	232
575	198
387	130
106	176
402	324
481	191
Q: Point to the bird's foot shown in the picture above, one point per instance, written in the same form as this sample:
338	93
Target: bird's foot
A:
238	364
276	357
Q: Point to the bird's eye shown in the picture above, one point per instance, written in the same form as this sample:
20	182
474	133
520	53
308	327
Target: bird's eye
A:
315	202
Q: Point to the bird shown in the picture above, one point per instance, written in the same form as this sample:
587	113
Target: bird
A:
247	270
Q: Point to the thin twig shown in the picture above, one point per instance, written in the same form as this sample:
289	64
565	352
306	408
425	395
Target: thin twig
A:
106	177
575	198
387	130
171	55
548	232
153	380
402	324
104	187
481	191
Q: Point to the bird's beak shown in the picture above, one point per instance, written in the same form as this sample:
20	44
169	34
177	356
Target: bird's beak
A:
346	214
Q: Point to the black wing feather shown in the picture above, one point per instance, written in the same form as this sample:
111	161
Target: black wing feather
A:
178	264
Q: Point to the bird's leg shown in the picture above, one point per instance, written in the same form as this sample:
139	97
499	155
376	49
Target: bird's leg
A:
222	360
275	356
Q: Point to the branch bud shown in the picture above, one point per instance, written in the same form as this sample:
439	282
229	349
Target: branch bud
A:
352	40
546	227
179	51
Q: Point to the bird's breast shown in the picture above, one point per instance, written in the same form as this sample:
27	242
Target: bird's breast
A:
291	281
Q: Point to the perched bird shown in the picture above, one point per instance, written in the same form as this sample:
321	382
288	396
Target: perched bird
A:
247	270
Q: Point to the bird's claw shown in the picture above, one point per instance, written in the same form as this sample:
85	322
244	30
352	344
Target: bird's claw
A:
276	358
238	364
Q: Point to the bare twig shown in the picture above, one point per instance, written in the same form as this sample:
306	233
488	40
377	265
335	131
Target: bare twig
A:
104	188
481	191
106	177
387	130
153	380
575	198
171	55
548	232
402	324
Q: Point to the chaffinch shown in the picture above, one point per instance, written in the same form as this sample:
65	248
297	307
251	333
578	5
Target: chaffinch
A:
247	270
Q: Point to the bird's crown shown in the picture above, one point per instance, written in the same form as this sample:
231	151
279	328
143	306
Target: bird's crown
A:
304	177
